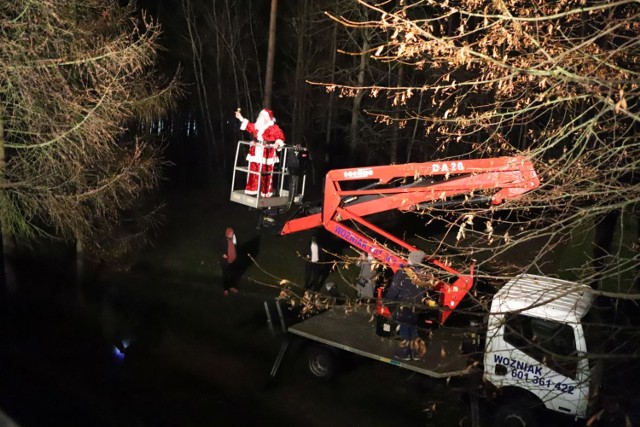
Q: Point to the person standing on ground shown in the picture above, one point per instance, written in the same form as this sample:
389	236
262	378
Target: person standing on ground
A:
228	260
408	295
313	268
268	138
366	282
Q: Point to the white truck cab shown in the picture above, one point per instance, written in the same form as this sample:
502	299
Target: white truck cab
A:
539	333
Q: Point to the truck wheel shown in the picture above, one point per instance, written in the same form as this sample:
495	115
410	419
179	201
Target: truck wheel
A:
321	362
513	415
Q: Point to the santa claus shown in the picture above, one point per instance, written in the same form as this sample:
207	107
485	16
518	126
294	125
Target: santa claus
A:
268	139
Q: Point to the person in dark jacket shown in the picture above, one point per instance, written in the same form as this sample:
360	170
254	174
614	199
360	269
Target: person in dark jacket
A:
366	281
228	260
408	295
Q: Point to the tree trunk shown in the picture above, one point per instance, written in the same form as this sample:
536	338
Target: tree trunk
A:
220	151
357	100
329	129
8	244
299	96
636	281
212	152
80	272
414	131
395	130
605	225
271	52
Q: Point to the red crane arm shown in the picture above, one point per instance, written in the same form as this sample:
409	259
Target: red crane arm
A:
509	176
404	187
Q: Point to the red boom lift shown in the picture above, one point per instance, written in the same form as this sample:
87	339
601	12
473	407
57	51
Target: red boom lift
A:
351	194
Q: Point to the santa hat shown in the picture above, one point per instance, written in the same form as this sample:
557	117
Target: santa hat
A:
268	114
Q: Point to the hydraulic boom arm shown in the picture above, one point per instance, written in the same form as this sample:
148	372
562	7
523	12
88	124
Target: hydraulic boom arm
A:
407	187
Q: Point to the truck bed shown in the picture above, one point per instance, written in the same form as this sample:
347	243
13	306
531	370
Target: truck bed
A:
354	330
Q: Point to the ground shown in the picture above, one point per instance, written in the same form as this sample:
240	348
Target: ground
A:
199	358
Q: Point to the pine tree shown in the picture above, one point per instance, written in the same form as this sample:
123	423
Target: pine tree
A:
73	78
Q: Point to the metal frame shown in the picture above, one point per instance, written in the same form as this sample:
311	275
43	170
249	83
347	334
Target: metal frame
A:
282	177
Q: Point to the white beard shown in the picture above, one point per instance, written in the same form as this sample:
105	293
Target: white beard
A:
261	128
262	123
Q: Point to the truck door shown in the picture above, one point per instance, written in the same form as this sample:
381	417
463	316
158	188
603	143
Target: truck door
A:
543	357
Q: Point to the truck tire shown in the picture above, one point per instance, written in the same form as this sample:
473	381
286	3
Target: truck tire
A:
514	415
321	362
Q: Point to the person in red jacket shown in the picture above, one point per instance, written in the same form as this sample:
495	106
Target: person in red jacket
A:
228	260
268	139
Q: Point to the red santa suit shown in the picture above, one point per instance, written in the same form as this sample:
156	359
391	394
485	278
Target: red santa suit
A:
268	140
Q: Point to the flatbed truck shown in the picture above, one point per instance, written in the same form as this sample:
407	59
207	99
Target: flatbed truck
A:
530	345
530	349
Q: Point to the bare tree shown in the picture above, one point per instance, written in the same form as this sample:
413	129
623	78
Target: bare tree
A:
197	64
556	82
299	113
73	77
357	78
